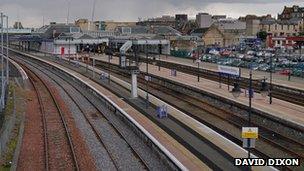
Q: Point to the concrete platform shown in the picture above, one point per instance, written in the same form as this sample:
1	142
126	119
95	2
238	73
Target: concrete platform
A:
295	82
187	160
281	109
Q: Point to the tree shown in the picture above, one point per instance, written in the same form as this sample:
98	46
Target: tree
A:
262	35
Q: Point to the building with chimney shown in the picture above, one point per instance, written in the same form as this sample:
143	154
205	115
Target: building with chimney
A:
292	13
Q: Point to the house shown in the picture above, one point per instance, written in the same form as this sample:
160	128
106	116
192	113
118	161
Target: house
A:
221	37
291	12
281	28
214	36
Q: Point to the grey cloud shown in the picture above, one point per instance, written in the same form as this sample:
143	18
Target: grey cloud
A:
31	11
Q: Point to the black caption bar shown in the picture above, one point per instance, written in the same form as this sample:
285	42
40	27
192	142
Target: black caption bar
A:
267	162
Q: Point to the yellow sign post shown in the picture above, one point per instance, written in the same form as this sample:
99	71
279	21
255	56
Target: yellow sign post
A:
250	132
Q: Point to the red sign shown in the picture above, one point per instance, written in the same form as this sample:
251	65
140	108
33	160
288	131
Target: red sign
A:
62	51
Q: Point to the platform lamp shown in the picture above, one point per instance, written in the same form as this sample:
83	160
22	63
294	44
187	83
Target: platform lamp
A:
159	53
7	56
271	70
264	88
2	66
147	76
236	91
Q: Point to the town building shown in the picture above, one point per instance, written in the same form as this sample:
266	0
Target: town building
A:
218	17
291	13
253	23
164	20
230	24
282	28
252	27
284	42
86	25
221	34
18	25
110	26
204	20
147	31
180	21
213	37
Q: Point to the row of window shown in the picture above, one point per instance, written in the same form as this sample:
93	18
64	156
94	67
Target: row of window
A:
283	34
282	27
281	41
293	15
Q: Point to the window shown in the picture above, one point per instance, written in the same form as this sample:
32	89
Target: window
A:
287	27
294	27
276	27
282	27
269	27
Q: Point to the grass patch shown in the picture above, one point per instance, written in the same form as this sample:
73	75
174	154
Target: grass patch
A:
12	143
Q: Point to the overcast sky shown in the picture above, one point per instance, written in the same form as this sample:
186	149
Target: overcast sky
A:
31	12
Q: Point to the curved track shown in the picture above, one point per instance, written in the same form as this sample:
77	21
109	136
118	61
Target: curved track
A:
59	152
45	70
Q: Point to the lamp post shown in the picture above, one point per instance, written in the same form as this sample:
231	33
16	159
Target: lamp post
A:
236	91
159	52
109	61
289	66
198	70
147	77
69	48
93	63
250	105
2	66
271	69
7	57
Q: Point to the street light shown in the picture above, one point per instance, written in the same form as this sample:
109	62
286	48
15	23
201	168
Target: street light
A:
2	66
147	77
264	88
271	70
198	61
289	66
236	91
159	52
7	57
109	61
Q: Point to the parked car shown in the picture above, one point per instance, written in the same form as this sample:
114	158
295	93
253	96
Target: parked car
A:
285	72
214	52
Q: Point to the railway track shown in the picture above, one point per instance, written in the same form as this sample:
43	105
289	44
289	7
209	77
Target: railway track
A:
280	92
208	147
269	138
58	145
89	120
236	121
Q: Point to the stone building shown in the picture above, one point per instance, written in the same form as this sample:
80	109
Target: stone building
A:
286	28
291	13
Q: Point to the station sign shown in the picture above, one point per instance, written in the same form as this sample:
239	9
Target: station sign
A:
148	78
250	132
229	70
173	72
